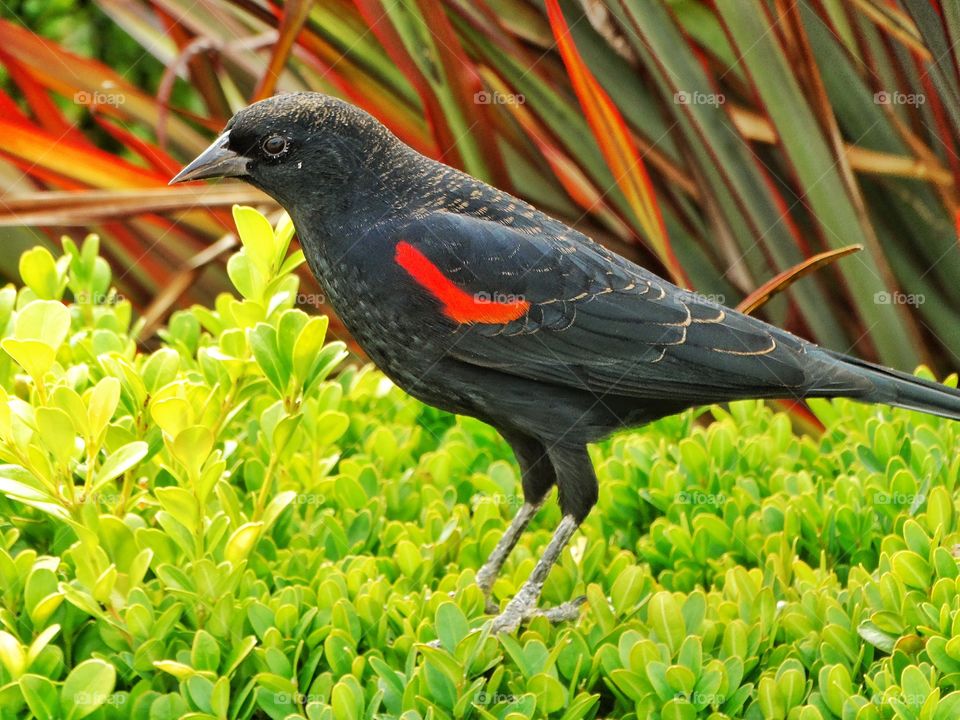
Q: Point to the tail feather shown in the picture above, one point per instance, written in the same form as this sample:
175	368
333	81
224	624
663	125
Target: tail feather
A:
892	387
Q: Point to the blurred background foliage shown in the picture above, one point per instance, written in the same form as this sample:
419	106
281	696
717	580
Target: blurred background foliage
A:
717	143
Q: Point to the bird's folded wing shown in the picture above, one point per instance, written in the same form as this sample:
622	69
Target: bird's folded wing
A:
553	306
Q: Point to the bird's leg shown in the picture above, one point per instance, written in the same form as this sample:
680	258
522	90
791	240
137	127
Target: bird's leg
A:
491	568
537	478
524	603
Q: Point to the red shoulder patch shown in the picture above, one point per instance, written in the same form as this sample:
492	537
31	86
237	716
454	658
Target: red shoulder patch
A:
458	305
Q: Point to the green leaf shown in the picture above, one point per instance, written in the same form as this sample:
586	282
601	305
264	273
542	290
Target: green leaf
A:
257	237
102	404
876	637
191	447
665	617
57	432
87	687
181	504
39	272
440	686
451	625
770	699
12	656
289	330
172	415
678	709
200	689
160	368
246	277
34	356
306	350
330	427
119	461
41	696
912	569
40	642
949	707
205	654
628	589
220	697
263	342
45	320
835	686
242	542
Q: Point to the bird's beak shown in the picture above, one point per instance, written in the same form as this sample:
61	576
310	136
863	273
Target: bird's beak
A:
217	161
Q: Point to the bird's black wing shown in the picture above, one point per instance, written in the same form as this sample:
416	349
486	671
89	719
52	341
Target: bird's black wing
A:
553	306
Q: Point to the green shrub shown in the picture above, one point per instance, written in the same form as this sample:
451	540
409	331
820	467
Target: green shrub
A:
227	528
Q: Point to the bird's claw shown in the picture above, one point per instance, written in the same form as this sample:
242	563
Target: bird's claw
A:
561	613
506	622
515	613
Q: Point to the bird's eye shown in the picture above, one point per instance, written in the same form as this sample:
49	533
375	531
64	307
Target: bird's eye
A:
275	145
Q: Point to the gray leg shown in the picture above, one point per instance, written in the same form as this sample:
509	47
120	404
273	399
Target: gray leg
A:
524	603
491	568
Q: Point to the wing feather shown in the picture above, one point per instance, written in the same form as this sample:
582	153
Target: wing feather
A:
599	322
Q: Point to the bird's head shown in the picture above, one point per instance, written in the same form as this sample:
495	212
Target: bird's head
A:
293	146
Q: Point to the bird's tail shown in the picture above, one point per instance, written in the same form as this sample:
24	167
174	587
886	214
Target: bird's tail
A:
892	387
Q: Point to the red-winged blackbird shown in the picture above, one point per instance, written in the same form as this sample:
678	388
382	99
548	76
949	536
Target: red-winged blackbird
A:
475	302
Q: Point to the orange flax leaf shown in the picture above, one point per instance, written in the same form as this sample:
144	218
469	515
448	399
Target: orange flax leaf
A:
67	159
568	174
616	144
360	89
11	111
374	15
154	156
465	84
806	420
73	76
292	17
788	277
41	104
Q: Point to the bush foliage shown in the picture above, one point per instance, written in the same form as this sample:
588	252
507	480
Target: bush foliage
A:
226	527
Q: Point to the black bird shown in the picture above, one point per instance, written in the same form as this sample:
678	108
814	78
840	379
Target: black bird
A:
476	302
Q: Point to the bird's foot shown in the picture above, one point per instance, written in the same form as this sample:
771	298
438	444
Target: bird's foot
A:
516	613
484	580
564	612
